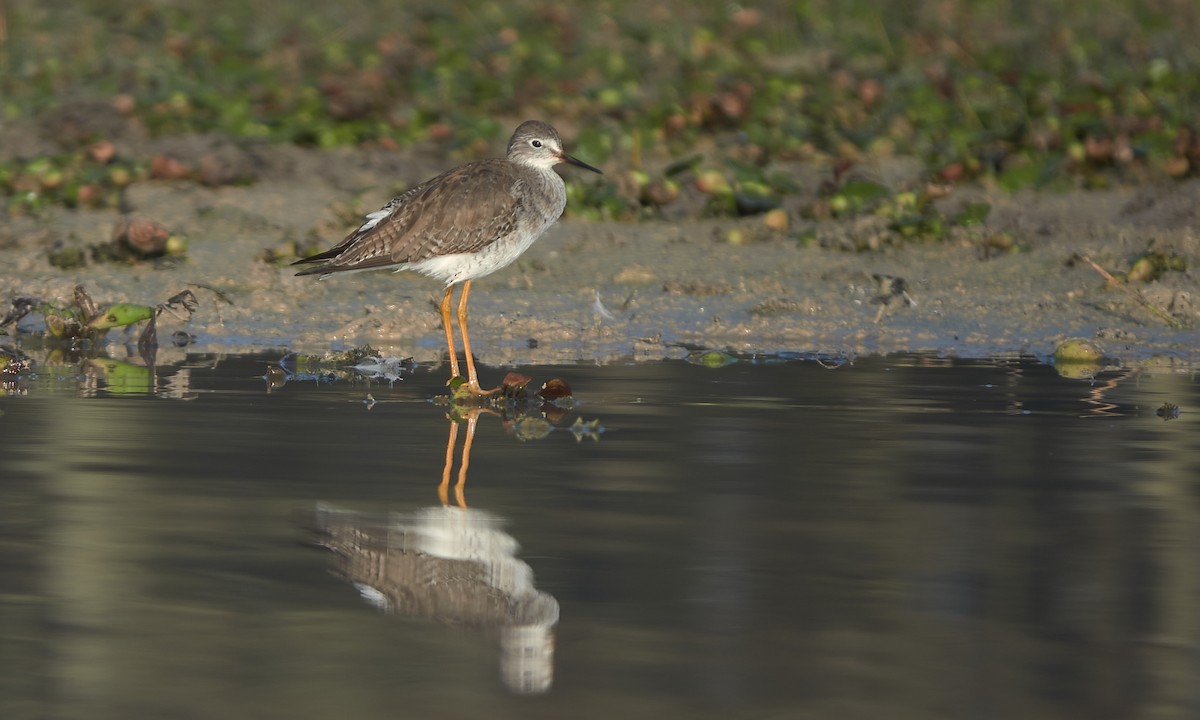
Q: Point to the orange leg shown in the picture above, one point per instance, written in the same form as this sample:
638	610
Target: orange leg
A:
445	308
448	467
443	488
472	378
460	486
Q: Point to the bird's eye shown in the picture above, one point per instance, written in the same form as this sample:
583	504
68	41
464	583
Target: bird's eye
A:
536	143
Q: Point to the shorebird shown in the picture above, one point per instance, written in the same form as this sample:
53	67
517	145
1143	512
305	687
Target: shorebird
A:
463	224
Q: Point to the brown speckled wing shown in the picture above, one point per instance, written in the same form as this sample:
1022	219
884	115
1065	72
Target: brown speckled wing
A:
459	211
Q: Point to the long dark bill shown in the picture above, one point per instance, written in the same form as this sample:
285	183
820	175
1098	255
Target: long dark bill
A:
579	163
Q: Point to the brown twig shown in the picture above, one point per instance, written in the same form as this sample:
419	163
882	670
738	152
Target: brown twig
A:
1135	294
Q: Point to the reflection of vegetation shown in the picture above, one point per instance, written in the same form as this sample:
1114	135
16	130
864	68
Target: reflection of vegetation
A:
80	372
1027	96
120	378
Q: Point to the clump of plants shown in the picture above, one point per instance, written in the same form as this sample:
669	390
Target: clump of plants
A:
134	239
90	178
83	321
908	215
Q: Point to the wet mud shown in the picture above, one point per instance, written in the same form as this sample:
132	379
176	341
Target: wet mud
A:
606	291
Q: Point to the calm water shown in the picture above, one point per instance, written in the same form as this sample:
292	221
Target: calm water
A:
900	537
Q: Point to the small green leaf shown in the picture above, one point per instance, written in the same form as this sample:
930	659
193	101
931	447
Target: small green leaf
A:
120	315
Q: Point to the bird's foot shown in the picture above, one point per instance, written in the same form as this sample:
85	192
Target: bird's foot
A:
464	391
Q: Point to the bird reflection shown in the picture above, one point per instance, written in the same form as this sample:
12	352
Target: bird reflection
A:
452	564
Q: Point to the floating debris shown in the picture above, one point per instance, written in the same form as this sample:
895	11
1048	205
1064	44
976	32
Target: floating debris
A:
13	365
531	427
345	365
276	377
1078	359
391	368
514	390
514	384
1168	411
554	389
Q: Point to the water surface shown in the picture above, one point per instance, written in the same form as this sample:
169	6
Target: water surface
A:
905	537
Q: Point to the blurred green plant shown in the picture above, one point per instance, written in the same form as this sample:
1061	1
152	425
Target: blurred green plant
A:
1042	95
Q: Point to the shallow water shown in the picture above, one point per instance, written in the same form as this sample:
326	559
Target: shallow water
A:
894	537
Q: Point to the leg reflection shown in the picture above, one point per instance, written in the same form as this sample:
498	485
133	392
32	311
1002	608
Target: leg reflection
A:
471	419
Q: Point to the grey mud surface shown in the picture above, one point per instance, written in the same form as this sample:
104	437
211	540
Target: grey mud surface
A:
663	286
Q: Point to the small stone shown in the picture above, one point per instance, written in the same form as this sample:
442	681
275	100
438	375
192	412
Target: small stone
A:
776	220
141	236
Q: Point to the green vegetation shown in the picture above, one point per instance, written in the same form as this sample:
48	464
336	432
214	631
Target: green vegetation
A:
1022	94
83	320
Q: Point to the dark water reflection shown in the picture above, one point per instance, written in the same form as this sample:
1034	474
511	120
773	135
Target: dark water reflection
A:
903	537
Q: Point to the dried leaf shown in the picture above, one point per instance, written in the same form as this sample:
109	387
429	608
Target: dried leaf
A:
514	382
554	389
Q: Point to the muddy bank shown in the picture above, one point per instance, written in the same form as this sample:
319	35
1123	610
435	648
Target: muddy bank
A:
601	292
